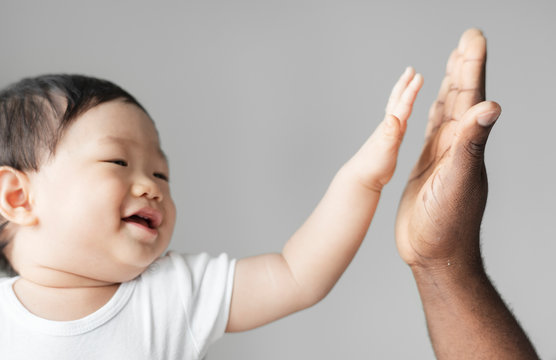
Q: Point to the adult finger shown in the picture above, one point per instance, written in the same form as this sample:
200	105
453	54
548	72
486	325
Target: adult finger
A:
472	74
472	134
437	109
473	47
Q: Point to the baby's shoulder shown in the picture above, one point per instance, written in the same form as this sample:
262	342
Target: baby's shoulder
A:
189	270
183	277
174	261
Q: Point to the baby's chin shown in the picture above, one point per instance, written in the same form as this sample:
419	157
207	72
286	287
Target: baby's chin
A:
128	271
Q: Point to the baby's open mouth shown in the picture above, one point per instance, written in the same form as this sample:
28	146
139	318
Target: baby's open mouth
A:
147	217
140	220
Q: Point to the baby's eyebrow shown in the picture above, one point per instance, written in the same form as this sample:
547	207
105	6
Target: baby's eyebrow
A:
119	140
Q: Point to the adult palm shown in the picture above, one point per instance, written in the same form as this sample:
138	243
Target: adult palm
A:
441	209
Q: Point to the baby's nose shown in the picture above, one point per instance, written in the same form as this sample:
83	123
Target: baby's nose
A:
148	189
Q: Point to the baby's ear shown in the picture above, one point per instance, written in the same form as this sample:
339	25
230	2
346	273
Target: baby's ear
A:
14	197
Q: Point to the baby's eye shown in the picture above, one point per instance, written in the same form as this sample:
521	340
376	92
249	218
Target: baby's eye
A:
161	176
119	162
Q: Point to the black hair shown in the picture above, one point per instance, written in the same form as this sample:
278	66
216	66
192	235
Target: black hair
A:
35	112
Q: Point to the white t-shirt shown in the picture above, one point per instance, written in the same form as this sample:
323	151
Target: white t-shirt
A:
173	310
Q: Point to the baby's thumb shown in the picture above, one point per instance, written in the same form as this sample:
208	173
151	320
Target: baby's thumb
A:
472	134
390	135
391	131
376	159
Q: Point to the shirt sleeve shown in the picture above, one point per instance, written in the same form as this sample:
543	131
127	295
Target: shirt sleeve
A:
206	289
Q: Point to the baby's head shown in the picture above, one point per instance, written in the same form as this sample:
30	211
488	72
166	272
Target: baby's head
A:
83	182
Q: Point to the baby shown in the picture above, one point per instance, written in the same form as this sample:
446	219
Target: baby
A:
87	214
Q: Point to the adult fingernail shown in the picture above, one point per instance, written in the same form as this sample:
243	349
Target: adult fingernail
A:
488	118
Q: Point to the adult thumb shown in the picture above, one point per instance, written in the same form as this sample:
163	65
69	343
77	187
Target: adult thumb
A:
472	133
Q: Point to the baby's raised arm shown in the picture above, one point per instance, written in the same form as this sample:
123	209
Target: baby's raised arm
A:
270	286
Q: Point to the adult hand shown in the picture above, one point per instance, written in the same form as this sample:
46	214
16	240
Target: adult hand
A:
439	218
442	206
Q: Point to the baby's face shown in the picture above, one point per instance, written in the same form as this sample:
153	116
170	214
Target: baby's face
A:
103	201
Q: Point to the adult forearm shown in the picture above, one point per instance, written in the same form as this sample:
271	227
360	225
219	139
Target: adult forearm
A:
467	319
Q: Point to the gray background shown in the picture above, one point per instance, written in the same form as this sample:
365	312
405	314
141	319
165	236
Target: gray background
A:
258	103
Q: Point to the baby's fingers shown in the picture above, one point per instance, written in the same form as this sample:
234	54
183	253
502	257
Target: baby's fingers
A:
402	109
399	88
376	161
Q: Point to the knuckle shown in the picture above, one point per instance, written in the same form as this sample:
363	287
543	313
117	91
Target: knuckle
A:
474	149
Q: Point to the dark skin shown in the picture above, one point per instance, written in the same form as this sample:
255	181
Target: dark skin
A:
440	214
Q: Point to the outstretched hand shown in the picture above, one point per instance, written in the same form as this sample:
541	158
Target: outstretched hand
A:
375	162
441	209
440	214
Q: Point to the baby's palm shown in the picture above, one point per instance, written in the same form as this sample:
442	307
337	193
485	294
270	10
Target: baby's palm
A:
375	162
441	209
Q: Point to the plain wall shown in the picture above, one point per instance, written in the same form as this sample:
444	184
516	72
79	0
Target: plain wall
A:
259	103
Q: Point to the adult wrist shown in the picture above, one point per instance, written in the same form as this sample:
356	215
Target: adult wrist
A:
457	270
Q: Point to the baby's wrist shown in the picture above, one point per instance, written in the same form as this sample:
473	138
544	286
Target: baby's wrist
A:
353	174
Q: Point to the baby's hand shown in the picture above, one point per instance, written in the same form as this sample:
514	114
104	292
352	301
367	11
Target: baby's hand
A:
374	164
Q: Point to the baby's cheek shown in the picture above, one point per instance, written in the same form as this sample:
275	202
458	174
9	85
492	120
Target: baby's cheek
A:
170	218
102	204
